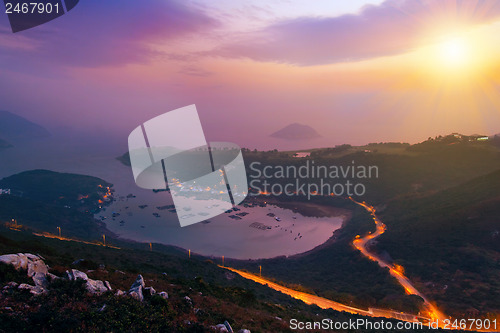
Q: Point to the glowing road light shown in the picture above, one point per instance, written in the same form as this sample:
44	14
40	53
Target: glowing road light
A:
59	229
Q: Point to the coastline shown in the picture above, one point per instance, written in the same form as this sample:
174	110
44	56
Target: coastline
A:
307	209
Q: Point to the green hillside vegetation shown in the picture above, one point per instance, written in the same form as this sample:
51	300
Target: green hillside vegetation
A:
337	270
40	217
217	294
450	242
61	189
433	165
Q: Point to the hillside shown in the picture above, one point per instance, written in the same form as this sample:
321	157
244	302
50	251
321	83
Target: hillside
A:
14	128
61	189
45	200
433	165
450	242
214	295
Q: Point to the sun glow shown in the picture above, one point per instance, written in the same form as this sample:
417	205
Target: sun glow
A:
454	52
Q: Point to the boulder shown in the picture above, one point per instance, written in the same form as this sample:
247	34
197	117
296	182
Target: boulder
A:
96	286
36	266
221	328
149	291
120	293
19	261
137	294
32	263
138	282
11	285
136	288
35	290
108	285
40	280
76	274
93	286
164	294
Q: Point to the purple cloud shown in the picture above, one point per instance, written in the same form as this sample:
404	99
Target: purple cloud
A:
98	33
387	29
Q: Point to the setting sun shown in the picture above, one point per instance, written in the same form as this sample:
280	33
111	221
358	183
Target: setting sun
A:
454	52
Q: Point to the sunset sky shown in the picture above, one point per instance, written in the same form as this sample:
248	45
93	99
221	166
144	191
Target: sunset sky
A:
356	71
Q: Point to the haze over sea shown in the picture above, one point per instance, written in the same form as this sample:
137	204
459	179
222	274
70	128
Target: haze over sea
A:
222	236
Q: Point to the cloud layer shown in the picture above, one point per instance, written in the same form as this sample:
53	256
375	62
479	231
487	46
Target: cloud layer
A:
387	29
99	33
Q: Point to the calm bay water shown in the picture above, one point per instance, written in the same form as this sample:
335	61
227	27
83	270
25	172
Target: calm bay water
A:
241	239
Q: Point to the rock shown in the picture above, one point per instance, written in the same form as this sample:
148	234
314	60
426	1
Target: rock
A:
40	280
33	256
120	293
138	282
35	290
149	291
96	286
108	285
221	328
244	331
103	308
164	294
36	266
188	300
137	294
136	288
76	274
93	286
11	285
52	277
19	260
229	328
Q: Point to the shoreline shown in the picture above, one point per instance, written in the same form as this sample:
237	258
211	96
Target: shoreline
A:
306	209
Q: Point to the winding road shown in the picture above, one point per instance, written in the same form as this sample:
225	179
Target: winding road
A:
431	312
396	271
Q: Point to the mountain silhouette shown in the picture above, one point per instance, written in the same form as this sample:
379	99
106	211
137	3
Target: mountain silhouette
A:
14	128
296	131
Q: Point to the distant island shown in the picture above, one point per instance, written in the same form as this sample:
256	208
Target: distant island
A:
14	128
296	131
